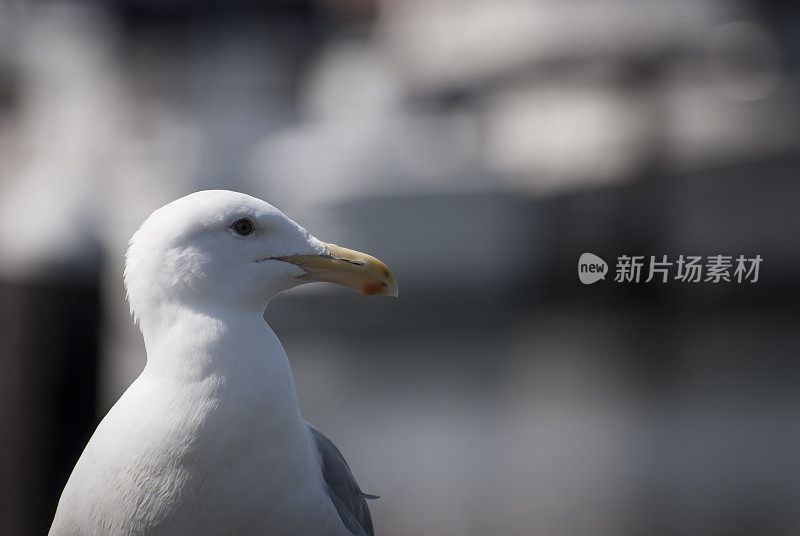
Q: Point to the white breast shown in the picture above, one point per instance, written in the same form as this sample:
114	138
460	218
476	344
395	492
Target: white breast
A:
222	452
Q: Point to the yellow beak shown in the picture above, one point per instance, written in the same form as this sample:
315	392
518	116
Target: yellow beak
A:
358	271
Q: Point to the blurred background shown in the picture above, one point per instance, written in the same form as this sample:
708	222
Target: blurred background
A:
478	147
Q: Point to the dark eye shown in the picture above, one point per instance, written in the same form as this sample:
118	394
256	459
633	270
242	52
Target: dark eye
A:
243	227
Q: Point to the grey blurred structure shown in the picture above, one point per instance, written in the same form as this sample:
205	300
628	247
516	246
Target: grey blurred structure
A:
478	147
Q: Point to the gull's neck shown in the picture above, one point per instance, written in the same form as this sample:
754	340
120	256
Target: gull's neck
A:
190	343
229	355
226	370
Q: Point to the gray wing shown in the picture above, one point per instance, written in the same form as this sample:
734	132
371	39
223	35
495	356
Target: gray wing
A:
347	497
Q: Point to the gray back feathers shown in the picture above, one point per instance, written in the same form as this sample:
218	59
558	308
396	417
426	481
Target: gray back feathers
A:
347	497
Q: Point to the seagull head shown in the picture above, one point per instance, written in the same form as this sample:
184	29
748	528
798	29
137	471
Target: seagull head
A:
226	249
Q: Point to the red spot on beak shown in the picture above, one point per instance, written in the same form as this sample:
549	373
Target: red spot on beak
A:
370	289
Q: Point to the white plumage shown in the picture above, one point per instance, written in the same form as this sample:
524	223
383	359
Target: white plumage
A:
209	439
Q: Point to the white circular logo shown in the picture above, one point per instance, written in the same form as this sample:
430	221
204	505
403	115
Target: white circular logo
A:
591	268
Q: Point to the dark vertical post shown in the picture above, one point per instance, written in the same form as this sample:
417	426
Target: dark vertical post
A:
48	384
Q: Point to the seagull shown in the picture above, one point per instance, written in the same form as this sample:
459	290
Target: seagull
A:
209	439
